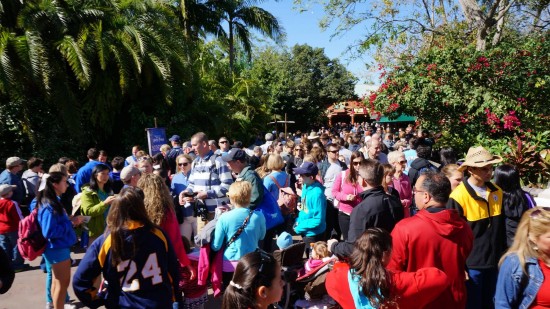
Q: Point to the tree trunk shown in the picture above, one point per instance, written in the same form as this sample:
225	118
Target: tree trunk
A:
443	13
231	46
500	21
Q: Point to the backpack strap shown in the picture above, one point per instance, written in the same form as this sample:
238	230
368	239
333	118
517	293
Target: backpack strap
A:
276	183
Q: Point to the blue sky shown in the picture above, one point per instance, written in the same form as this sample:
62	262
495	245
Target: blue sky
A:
303	28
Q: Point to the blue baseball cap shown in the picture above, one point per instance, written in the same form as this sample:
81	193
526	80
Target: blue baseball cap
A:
309	168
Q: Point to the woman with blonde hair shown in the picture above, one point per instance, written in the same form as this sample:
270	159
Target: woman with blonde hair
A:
277	178
180	181
400	181
160	209
524	275
453	174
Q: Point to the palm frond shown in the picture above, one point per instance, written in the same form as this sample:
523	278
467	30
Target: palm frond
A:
76	59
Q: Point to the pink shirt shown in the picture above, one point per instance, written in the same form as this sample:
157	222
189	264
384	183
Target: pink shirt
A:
403	186
341	189
171	228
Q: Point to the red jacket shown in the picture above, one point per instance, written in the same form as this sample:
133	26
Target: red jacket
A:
9	218
410	289
435	238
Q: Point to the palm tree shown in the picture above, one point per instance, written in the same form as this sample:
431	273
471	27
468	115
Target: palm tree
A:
241	16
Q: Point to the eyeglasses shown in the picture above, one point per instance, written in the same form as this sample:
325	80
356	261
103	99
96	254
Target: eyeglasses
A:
223	142
297	149
183	164
535	214
415	190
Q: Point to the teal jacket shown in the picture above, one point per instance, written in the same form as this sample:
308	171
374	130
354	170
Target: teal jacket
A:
311	220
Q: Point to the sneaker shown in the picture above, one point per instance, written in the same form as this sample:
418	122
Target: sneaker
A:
49	305
69	306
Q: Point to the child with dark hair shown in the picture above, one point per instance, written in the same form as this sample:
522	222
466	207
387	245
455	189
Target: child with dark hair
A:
366	283
515	201
256	283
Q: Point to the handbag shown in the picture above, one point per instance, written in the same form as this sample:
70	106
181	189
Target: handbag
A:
270	210
287	200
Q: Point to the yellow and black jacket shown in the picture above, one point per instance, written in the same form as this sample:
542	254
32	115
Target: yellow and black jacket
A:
486	219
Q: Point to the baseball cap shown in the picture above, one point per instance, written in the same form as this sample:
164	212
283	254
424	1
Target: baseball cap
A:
5	189
234	154
127	172
175	138
309	168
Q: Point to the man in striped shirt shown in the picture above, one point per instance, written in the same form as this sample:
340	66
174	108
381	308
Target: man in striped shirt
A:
210	179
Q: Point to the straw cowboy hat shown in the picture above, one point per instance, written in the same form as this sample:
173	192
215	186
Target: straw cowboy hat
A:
313	135
479	157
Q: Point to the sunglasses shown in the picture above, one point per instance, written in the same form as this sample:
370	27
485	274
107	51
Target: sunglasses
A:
223	142
535	214
280	145
403	162
356	162
183	164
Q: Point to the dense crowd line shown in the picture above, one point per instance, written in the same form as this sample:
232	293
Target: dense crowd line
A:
382	219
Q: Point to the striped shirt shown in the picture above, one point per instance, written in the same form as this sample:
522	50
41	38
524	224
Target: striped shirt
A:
210	174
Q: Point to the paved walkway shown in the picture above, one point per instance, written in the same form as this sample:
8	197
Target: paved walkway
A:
28	289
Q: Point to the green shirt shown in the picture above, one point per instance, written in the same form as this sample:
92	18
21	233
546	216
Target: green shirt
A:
248	174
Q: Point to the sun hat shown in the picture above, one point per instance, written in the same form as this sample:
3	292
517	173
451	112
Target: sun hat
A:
313	135
284	240
478	157
5	189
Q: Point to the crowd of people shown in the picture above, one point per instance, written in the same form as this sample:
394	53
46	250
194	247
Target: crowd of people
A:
399	224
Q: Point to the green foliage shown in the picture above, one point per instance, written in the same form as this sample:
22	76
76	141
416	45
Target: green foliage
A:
490	98
302	82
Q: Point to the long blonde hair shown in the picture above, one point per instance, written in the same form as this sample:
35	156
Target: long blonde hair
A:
534	224
158	200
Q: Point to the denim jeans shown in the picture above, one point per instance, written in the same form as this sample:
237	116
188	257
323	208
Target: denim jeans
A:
481	288
8	242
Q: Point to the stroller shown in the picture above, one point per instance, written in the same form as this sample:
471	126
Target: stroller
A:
309	286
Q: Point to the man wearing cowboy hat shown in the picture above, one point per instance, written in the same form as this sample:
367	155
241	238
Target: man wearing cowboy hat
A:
480	202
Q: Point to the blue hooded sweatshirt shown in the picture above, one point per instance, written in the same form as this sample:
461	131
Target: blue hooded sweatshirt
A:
311	219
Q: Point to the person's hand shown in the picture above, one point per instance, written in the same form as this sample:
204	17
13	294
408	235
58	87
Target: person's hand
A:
185	199
330	242
350	197
109	200
201	195
77	220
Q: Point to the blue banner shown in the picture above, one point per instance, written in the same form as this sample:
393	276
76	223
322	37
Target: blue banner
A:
156	137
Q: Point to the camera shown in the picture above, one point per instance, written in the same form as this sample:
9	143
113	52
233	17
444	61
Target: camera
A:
201	211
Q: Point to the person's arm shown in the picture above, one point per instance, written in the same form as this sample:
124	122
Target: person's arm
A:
421	286
91	206
338	189
226	179
171	228
257	194
219	235
399	253
50	228
88	271
509	289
